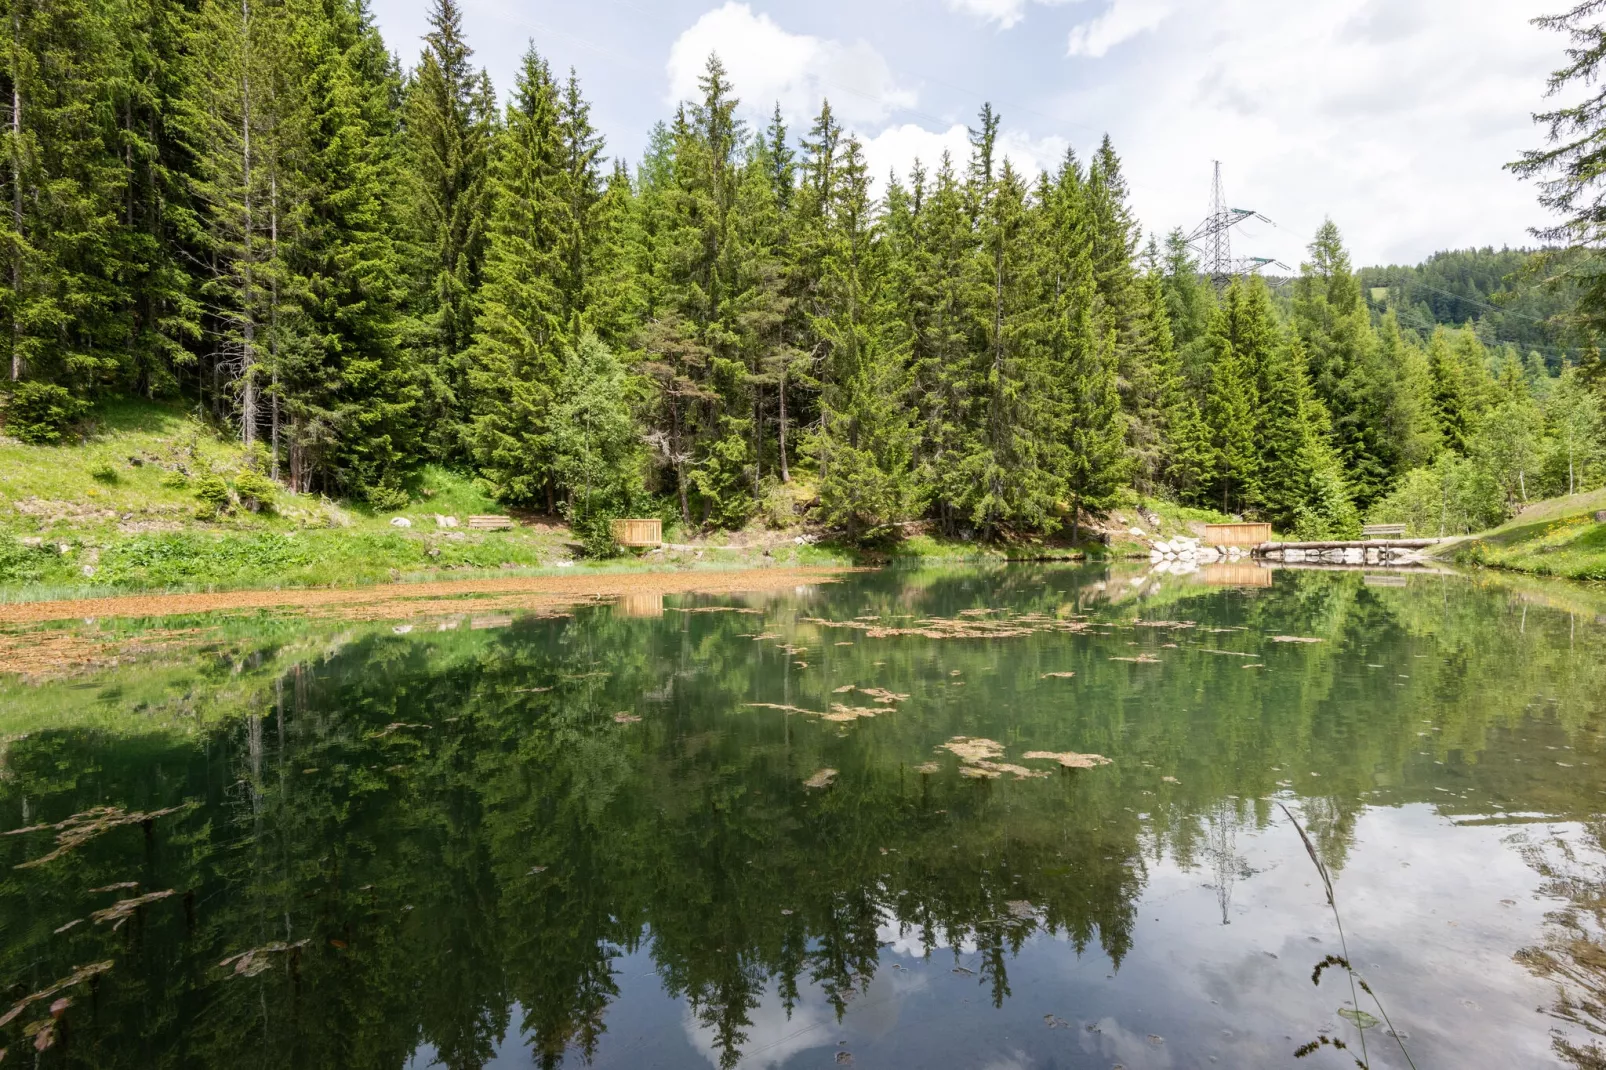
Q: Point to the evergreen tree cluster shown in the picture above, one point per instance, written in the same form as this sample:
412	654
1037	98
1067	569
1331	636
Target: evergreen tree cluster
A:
358	269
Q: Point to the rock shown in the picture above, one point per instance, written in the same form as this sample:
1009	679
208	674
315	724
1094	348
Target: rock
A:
400	522
563	564
32	542
1293	555
1139	532
89	570
440	521
1354	555
1156	556
1372	555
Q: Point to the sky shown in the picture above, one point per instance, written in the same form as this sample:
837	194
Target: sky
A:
1392	117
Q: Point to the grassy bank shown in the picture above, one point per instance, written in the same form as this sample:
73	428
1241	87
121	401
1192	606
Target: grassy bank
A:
1557	537
135	506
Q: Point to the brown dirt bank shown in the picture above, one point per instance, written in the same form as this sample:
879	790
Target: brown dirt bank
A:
398	600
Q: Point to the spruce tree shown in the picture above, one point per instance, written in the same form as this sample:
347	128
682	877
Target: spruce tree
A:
349	396
865	440
523	310
449	122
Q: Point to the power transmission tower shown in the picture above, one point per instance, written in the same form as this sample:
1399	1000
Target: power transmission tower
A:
1212	239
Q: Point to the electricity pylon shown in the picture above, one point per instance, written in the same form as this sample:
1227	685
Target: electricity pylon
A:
1212	239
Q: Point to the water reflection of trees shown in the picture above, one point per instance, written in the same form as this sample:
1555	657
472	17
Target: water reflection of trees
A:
456	843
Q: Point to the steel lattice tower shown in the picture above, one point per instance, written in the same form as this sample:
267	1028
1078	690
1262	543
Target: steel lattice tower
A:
1212	239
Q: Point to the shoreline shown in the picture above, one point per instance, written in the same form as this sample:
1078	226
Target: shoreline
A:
413	598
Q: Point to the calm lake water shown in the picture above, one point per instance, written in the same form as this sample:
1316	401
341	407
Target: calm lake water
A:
725	832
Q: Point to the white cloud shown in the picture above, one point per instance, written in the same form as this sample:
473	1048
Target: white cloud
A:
898	147
1392	118
768	64
1122	21
1005	13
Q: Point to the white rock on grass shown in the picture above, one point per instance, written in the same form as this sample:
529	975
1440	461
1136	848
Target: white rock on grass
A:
1139	532
400	522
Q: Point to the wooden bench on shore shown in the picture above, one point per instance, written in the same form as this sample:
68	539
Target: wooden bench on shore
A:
1383	531
490	523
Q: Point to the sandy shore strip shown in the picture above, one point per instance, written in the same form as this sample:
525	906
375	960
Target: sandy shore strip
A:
398	600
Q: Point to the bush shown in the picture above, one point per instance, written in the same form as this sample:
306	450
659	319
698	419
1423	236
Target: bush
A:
213	494
18	563
256	490
175	480
40	413
104	472
388	499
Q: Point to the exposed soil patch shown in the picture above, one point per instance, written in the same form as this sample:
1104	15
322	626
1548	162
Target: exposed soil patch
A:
401	600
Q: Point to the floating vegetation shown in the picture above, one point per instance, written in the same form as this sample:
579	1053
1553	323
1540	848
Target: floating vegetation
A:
880	694
1056	676
81	828
395	726
255	961
787	709
962	627
124	909
1295	639
821	779
929	767
712	609
1228	653
1069	759
976	757
625	718
77	977
1163	624
120	886
1141	659
840	712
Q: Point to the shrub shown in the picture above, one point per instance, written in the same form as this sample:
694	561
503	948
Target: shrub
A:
104	472
256	490
175	480
40	413
213	494
388	499
18	563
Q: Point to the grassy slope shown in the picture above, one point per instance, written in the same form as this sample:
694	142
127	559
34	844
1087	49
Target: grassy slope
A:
1556	537
129	526
125	526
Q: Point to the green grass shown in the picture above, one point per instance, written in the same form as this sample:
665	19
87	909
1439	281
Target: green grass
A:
1558	537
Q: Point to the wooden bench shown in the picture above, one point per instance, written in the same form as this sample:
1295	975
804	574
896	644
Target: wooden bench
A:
1383	530
490	523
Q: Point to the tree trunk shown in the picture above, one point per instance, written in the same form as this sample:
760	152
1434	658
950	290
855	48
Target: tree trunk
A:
273	326
16	198
248	390
786	475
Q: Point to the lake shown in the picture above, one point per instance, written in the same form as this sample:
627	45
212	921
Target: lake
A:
1006	818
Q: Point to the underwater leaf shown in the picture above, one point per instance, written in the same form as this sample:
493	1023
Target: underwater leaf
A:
1360	1018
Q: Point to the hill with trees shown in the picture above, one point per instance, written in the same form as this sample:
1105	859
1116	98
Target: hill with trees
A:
359	271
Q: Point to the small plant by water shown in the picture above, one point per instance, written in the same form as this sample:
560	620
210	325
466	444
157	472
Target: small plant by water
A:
1358	1017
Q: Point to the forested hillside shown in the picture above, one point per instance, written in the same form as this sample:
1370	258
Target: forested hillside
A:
1512	297
358	270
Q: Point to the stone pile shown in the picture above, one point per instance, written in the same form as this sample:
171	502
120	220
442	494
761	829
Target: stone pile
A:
1183	554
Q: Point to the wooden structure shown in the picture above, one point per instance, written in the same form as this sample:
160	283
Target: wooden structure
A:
1246	534
1383	530
1236	574
639	534
490	523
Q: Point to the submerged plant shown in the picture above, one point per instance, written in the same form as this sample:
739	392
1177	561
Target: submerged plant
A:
1361	1019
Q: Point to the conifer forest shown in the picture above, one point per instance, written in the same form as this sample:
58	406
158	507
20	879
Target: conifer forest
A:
358	267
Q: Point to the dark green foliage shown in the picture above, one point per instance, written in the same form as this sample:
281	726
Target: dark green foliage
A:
358	270
213	494
40	413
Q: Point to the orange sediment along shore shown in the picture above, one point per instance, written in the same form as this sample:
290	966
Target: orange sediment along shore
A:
400	600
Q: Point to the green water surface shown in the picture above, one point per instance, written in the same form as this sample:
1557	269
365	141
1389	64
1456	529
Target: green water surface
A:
629	837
